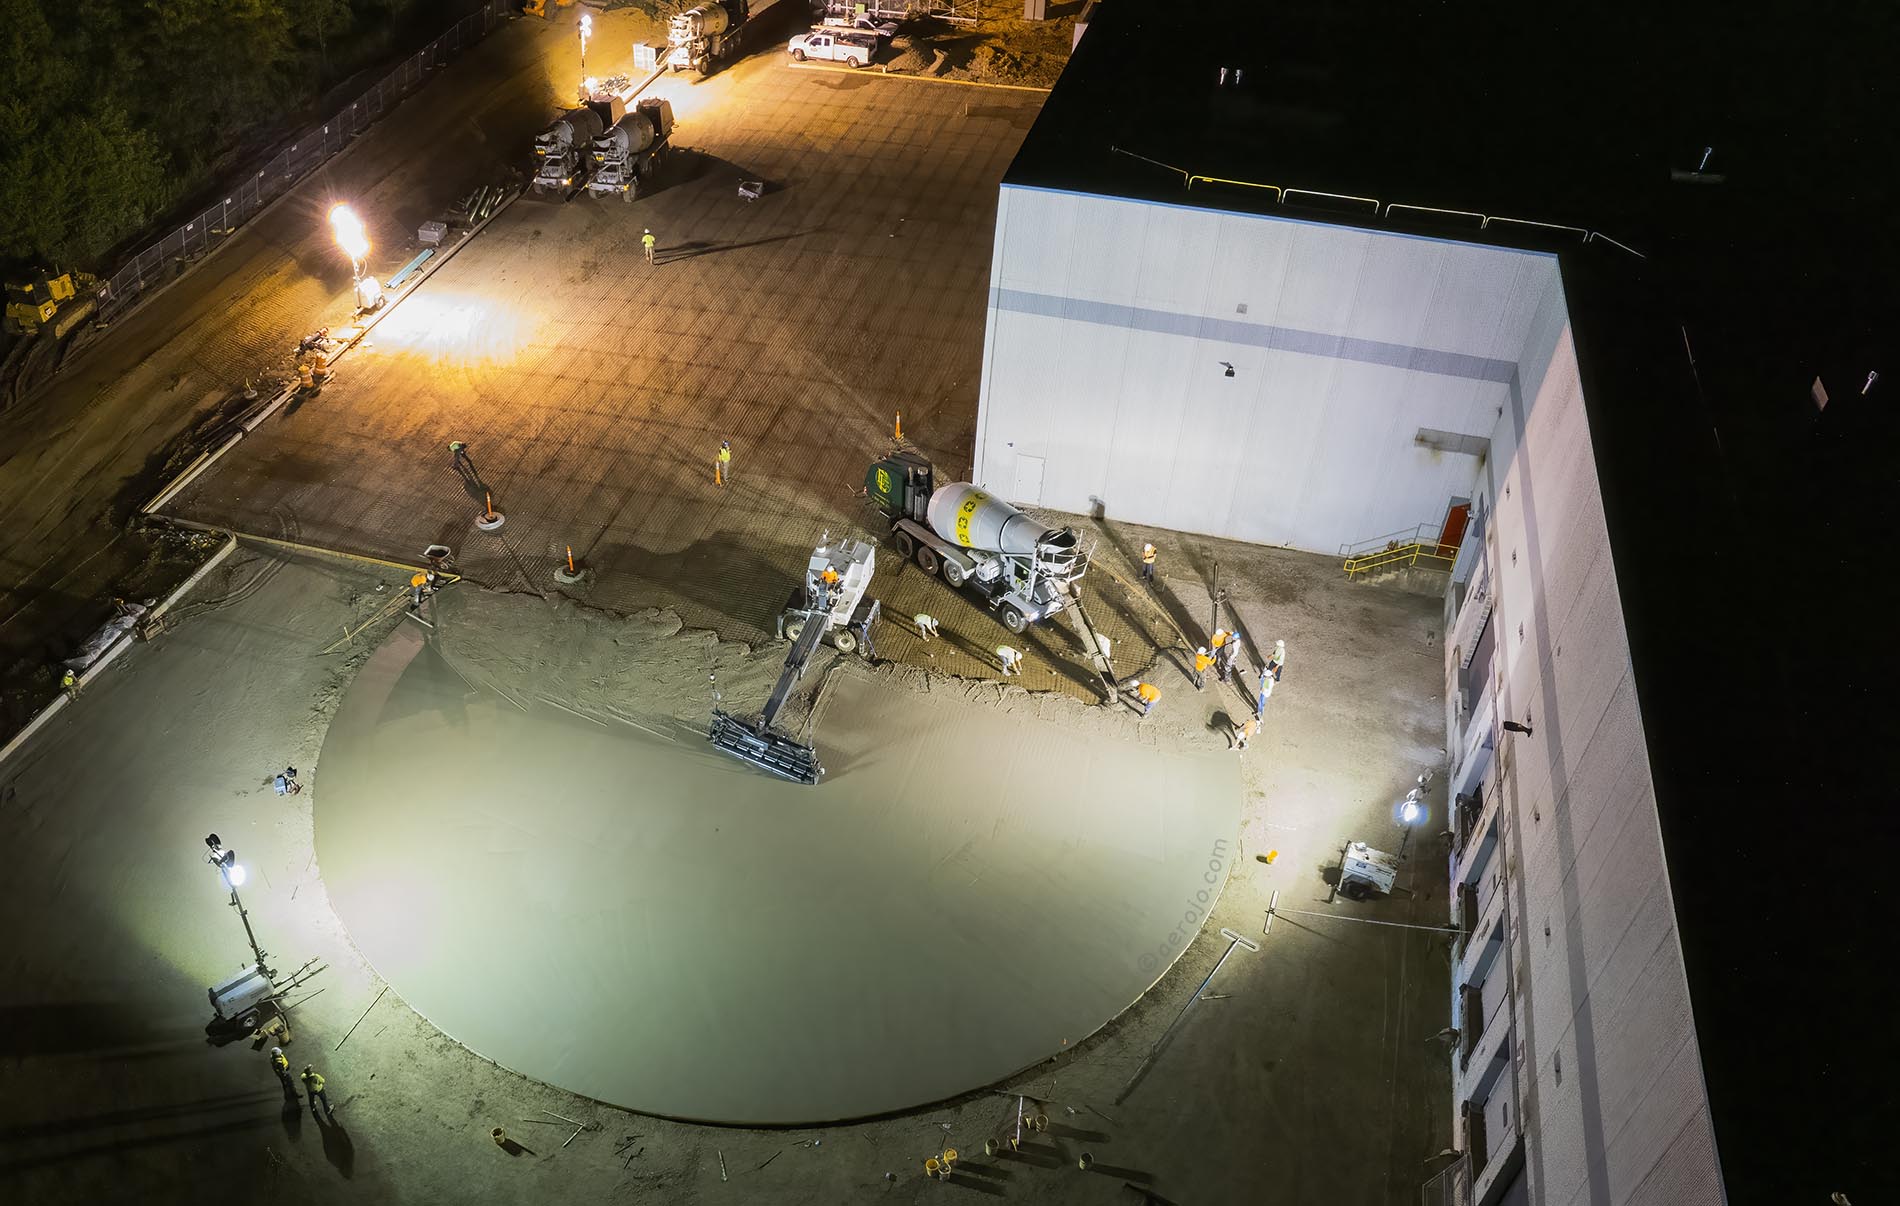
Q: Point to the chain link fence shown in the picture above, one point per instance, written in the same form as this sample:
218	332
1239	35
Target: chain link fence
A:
194	240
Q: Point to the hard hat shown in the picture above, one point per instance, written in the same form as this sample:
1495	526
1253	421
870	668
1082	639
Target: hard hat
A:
276	1050
725	443
1202	649
309	1067
1279	644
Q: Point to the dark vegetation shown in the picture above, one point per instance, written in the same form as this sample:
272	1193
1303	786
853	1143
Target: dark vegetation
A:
116	112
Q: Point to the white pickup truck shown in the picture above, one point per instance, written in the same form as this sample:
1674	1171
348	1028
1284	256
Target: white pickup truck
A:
853	48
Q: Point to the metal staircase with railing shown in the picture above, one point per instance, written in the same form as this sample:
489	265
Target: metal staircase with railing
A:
1421	545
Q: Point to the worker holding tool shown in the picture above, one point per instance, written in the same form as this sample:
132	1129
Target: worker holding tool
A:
281	1066
1202	660
926	625
1266	692
1245	732
1276	659
1217	645
1012	660
646	242
313	1084
458	455
1148	563
1148	694
422	584
722	466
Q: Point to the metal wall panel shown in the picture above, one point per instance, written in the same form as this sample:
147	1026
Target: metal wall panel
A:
1112	324
1604	1014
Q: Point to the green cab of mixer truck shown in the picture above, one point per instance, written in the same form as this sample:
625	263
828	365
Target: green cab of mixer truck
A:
1022	568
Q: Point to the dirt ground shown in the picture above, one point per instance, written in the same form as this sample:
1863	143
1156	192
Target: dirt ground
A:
80	456
593	389
1308	1069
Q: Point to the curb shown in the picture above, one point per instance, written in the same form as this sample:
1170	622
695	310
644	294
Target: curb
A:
119	646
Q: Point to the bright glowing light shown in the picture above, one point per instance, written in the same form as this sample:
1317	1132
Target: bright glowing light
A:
234	874
350	235
587	31
1409	812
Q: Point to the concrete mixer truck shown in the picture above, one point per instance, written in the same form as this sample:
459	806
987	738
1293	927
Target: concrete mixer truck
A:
631	153
562	148
705	37
1024	570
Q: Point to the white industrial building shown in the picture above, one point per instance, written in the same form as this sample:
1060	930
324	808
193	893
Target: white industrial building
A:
1289	316
1248	376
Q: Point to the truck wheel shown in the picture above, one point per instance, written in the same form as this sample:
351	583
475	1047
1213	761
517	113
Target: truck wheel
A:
854	64
793	628
799	54
926	560
953	573
905	545
1013	619
705	66
844	640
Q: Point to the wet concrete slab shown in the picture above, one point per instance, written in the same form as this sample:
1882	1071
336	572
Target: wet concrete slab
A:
642	921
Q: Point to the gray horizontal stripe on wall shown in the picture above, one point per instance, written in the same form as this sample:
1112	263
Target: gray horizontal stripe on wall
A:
1275	339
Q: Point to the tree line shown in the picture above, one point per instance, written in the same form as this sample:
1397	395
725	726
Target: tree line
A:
115	111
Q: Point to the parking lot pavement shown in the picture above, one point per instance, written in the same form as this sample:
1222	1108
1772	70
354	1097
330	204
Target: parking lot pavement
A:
593	390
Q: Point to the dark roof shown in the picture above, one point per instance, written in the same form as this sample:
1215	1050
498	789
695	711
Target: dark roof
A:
1756	539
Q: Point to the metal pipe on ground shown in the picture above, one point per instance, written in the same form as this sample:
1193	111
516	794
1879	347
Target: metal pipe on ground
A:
1234	940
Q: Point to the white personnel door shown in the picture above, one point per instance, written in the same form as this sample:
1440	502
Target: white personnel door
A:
1028	481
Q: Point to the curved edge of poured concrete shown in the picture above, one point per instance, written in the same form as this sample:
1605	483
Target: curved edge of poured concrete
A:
645	923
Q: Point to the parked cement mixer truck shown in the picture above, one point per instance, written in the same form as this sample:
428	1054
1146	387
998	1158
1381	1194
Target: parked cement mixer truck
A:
705	37
562	148
1023	568
630	154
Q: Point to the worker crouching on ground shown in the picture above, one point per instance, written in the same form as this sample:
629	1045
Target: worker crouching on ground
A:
926	625
420	587
1144	696
1246	731
1011	659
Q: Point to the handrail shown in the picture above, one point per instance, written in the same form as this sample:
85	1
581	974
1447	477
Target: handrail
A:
1279	194
1411	554
1389	540
1285	196
1313	192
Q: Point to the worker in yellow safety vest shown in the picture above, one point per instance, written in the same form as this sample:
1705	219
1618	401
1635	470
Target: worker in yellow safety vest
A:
722	467
313	1084
1149	695
281	1065
1202	660
1147	563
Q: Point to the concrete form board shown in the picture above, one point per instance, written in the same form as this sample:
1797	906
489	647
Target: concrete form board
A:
1111	323
1611	1057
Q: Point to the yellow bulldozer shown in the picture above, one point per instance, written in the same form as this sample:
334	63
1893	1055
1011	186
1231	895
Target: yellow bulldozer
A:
52	302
